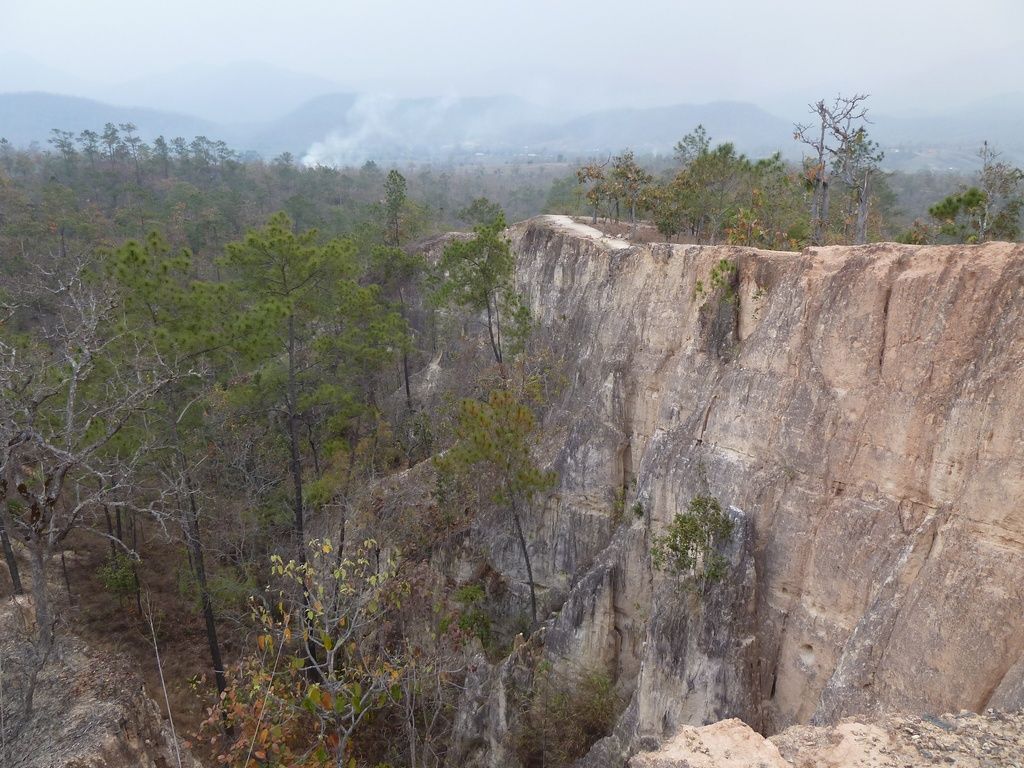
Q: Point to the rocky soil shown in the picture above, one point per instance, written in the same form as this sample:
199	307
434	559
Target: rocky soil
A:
965	740
90	709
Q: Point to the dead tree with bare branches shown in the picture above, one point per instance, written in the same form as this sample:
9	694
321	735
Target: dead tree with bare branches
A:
840	149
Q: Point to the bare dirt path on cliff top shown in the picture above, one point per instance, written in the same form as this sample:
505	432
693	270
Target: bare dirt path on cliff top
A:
565	223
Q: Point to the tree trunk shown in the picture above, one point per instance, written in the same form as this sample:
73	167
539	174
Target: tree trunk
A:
405	354
863	208
497	331
405	376
67	581
40	597
819	201
490	332
135	569
12	562
293	439
823	213
312	448
526	558
196	555
296	471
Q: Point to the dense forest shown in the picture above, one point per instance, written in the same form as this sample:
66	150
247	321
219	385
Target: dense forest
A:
207	393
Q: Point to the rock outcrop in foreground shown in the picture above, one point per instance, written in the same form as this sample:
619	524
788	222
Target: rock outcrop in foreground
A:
859	410
967	740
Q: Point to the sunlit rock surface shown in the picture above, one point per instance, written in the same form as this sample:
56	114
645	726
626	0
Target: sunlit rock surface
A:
859	409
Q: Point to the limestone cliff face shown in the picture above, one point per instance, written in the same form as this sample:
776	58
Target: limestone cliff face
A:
860	410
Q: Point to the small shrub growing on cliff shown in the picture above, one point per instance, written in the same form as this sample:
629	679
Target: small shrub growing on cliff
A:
720	278
618	505
690	546
563	721
473	618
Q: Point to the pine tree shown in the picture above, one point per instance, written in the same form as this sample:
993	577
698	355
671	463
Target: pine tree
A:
477	274
314	332
494	436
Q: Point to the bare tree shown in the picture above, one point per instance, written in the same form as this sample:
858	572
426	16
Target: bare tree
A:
1002	200
72	431
840	147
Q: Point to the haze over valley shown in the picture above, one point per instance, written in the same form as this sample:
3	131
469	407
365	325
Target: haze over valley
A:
579	79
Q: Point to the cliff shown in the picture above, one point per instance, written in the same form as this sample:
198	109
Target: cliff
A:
859	410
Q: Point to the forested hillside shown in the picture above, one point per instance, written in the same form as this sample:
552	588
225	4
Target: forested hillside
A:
255	417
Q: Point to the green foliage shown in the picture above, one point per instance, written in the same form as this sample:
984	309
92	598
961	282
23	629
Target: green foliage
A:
314	331
720	281
494	435
705	194
117	575
918	234
471	272
718	194
563	719
628	181
476	274
989	210
770	212
470	594
564	196
481	213
493	439
473	618
321	667
690	545
230	590
392	268
394	203
960	215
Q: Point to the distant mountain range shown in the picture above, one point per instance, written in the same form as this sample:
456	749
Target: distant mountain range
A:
344	128
28	117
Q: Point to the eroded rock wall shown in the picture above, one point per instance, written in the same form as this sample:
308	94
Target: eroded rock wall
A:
862	407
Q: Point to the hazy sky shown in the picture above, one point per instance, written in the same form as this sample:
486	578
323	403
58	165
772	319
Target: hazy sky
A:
906	53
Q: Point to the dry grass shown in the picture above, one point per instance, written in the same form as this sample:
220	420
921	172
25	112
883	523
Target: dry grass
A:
116	625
